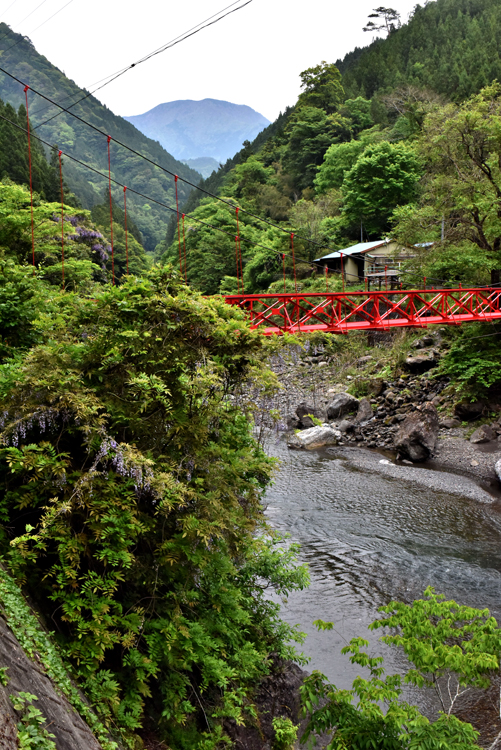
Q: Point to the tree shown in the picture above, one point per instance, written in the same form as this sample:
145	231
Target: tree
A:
460	205
322	87
450	649
385	176
388	20
131	505
310	133
338	160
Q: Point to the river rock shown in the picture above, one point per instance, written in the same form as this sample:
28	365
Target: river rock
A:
424	342
483	434
365	412
345	426
341	404
376	386
497	469
418	434
449	424
468	412
420	363
315	437
303	410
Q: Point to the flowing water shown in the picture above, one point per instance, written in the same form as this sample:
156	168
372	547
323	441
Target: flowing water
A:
368	539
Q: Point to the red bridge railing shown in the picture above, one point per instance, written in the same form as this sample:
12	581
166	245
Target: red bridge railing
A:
358	311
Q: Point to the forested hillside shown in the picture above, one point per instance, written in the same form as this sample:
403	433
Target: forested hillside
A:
19	57
362	151
450	46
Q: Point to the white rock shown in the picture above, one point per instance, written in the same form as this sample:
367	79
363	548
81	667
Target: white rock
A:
314	437
497	469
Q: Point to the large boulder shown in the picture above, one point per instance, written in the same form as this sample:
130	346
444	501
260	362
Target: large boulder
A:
304	410
467	412
497	469
417	436
341	404
420	363
483	434
365	412
315	437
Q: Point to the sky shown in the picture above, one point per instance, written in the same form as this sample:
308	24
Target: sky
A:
253	56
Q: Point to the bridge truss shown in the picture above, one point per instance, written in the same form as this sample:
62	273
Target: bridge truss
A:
276	314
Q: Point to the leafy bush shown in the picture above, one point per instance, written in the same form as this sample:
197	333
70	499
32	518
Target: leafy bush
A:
474	359
450	648
132	505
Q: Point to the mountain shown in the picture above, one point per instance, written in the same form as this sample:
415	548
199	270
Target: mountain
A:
206	165
190	129
20	58
449	46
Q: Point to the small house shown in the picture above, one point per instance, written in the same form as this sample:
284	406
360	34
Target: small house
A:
376	262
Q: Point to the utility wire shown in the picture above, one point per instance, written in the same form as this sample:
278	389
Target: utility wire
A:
31	13
148	198
23	37
174	210
51	17
187	182
164	169
122	70
10	6
177	40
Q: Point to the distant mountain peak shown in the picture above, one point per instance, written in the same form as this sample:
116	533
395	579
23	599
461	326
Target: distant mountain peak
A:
191	129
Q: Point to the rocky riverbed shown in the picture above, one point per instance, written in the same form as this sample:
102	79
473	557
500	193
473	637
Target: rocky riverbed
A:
415	417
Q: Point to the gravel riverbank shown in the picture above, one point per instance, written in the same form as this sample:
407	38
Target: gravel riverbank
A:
315	378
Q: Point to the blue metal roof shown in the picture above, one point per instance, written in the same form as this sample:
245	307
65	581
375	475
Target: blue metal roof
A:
360	247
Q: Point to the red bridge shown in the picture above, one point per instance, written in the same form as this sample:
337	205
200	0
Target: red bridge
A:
359	311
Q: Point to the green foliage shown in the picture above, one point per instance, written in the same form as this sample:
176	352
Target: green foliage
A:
36	643
138	261
450	648
338	160
4	679
474	359
322	87
383	177
449	46
359	112
20	58
285	733
310	132
32	735
460	198
84	247
132	494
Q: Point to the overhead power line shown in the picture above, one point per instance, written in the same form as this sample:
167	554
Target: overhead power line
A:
51	17
148	198
175	211
168	45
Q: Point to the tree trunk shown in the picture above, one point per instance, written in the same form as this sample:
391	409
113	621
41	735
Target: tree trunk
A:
495	276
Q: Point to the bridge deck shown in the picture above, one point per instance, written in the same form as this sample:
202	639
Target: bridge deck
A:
343	312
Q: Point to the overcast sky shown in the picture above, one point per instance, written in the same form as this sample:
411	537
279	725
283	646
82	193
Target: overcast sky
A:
253	56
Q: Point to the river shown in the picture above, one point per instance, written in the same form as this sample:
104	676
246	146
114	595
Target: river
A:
369	538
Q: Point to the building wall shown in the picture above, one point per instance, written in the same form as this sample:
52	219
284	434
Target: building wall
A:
392	252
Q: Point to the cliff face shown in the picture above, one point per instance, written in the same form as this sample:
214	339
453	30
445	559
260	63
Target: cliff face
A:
37	696
28	675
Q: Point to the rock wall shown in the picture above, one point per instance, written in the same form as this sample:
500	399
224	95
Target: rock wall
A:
26	675
30	663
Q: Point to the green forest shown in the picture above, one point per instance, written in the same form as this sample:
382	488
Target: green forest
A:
132	478
20	58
